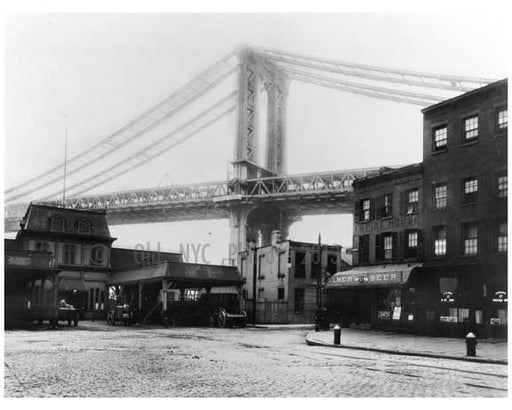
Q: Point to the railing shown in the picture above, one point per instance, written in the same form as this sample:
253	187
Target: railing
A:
337	181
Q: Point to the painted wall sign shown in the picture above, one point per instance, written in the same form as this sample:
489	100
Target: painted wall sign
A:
447	297
410	221
19	260
450	319
500	297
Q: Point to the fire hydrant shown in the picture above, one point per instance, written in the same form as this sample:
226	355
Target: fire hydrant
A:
471	344
337	334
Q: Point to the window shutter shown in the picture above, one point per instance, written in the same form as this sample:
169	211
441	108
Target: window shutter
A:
378	246
420	244
402	245
395	246
402	202
373	205
357	211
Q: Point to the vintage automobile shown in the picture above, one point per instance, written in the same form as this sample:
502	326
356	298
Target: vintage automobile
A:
121	313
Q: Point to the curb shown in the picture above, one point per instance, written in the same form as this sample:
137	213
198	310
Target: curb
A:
284	327
312	342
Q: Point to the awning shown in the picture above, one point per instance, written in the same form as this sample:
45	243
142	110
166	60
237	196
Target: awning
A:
68	284
372	276
181	274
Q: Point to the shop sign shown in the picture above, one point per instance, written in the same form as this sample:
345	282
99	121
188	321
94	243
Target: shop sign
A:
500	297
404	221
450	319
384	314
447	297
19	260
394	277
495	321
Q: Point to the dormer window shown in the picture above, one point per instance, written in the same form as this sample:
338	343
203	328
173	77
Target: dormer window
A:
84	226
57	224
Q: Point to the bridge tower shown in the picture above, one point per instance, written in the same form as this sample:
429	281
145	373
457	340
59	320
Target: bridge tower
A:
259	148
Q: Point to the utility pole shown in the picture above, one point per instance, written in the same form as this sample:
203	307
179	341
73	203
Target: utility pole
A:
319	274
254	273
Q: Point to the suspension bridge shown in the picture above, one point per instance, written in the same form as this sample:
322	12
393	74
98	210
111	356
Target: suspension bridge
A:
259	196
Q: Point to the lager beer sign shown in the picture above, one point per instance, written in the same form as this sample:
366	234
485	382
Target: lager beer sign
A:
447	297
500	297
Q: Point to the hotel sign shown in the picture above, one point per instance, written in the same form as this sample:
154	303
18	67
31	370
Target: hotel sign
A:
410	221
368	279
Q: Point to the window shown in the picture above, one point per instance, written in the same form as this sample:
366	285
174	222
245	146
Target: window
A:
261	258
411	244
388	247
300	264
314	265
57	224
384	206
332	264
502	119
440	138
503	186
440	196
280	262
439	234
471	128
412	201
469	189
43	246
84	226
502	237
69	254
364	249
469	239
366	210
280	293
299	300
261	293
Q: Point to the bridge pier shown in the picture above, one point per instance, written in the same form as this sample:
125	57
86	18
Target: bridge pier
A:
255	224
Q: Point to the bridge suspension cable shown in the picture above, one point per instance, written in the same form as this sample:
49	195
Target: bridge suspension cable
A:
145	122
390	75
364	89
156	148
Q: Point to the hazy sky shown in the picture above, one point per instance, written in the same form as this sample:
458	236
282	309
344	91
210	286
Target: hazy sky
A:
101	70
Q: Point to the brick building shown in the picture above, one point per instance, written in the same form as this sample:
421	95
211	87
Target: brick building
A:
465	209
447	218
379	290
285	279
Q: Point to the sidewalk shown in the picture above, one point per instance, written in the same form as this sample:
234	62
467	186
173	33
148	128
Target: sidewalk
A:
283	327
487	351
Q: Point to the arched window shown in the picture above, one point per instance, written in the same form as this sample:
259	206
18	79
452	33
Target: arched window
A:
84	226
58	223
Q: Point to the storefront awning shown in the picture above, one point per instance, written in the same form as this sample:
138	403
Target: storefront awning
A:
181	274
372	276
69	284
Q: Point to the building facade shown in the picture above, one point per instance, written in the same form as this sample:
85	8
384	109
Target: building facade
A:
379	290
281	280
446	219
465	210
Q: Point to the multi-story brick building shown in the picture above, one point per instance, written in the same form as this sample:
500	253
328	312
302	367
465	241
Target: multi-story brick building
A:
284	284
465	209
378	290
447	215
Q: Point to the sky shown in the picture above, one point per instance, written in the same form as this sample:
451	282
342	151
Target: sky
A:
92	73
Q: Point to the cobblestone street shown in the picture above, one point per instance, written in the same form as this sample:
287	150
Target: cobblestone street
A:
95	360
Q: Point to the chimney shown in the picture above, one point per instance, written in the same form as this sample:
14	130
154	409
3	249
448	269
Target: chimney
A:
275	237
